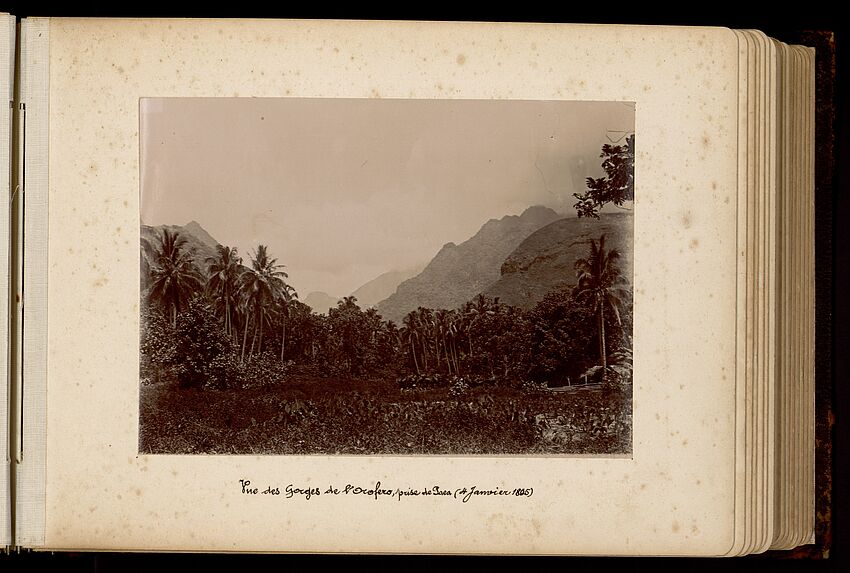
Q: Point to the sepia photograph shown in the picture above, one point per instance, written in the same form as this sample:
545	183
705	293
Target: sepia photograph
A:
386	277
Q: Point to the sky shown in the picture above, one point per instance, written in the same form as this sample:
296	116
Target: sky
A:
343	190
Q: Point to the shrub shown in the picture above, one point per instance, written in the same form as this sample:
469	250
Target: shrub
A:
263	370
459	386
158	353
423	381
205	354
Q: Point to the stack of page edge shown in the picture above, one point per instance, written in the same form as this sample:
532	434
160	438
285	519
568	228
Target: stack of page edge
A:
7	72
775	482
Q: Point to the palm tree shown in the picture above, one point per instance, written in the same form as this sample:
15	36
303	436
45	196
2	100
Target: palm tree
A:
600	283
425	326
224	270
446	331
174	277
474	311
392	337
285	297
452	332
260	288
410	332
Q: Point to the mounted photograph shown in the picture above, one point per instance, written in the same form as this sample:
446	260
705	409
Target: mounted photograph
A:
386	277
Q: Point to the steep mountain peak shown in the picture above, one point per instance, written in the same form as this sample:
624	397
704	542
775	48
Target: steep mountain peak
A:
539	211
195	229
198	242
496	222
458	272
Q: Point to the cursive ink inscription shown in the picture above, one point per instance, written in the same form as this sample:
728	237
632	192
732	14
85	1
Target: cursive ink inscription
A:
377	491
306	492
246	487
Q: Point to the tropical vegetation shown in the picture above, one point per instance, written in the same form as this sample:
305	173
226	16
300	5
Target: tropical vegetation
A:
240	329
233	362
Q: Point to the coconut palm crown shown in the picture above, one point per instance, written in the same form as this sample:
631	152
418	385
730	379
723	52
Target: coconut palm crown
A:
601	284
224	271
174	277
260	287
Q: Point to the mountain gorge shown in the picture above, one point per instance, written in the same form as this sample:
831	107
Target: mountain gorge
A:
320	302
546	259
518	258
460	272
382	286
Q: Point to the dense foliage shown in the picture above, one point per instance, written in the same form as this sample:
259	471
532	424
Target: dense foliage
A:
618	185
318	416
350	382
557	341
230	358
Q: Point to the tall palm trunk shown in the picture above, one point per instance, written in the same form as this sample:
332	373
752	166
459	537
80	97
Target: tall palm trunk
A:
262	319
602	336
282	338
245	339
454	355
253	344
415	362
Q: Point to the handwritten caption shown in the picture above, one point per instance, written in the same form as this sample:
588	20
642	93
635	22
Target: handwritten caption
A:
378	491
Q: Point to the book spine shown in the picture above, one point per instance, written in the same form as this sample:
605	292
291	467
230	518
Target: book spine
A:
811	273
31	371
7	71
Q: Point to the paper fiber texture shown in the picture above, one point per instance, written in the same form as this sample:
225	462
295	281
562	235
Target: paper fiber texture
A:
674	495
30	469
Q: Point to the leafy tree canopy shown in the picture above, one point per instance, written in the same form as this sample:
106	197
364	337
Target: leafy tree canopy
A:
616	187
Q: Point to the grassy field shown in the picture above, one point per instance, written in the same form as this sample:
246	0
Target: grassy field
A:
311	415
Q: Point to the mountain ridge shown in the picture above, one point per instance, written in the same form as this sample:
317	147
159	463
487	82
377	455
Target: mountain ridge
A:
201	244
384	285
320	301
458	272
196	230
545	260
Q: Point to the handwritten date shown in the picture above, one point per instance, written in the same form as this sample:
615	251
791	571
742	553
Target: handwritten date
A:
379	491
